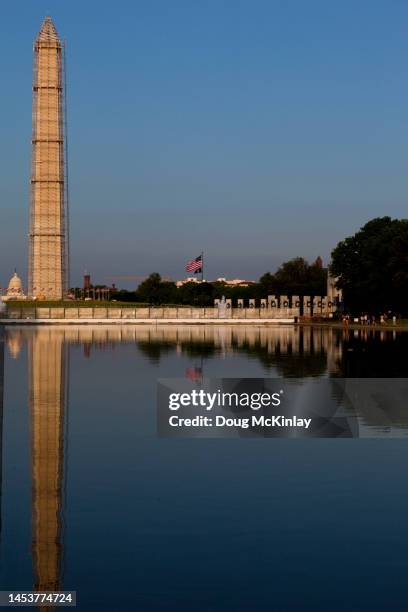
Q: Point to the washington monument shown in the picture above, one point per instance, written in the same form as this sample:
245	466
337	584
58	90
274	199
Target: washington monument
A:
48	250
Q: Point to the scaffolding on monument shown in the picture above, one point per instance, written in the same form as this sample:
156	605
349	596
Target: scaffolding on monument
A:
48	235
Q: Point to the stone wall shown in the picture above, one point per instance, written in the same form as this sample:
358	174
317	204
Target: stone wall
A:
285	306
54	312
275	307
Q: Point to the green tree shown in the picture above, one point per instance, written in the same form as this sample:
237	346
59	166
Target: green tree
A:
196	294
372	267
122	295
268	284
295	277
154	290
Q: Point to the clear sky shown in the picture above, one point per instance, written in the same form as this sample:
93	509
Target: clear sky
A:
254	130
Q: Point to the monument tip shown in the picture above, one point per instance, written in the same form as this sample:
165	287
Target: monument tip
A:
48	32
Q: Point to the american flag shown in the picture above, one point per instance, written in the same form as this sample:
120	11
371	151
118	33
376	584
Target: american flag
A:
195	265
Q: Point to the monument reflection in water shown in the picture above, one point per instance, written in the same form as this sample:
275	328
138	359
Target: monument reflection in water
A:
1	415
47	404
192	352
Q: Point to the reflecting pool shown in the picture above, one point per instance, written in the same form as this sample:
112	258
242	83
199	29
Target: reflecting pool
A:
93	501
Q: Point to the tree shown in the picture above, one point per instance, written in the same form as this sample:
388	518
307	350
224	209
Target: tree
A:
372	267
268	284
148	290
296	277
156	291
292	276
196	294
122	295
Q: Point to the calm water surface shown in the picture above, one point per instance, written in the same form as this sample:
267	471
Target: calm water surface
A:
93	501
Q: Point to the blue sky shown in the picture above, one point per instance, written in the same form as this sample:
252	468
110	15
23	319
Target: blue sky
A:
253	130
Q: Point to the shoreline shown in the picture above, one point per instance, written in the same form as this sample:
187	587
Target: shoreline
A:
154	322
217	322
353	326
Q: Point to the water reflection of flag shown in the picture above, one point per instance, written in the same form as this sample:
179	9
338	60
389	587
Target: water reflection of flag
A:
194	373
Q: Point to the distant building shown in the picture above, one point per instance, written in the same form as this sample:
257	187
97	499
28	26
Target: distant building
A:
190	279
235	282
15	289
87	281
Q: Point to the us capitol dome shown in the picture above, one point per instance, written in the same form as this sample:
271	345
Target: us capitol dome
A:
15	289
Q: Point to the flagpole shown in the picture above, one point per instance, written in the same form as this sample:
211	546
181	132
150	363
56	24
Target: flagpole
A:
202	266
